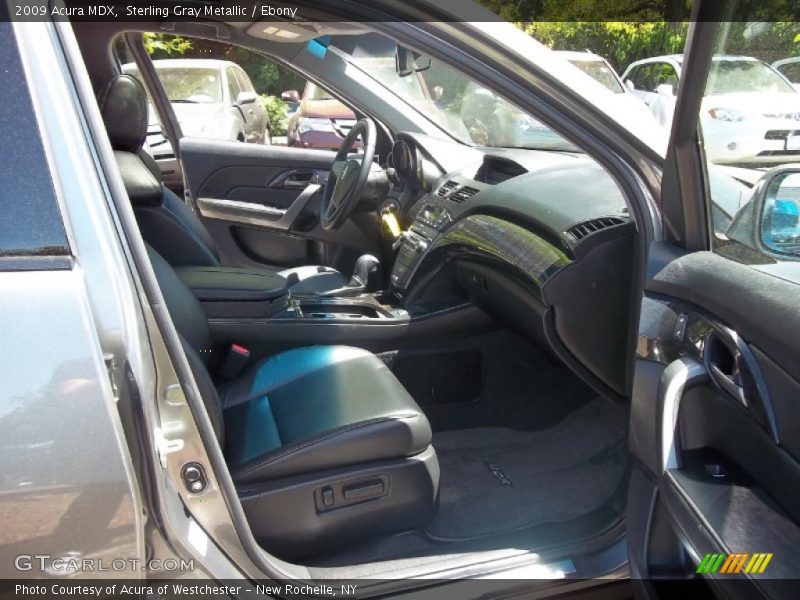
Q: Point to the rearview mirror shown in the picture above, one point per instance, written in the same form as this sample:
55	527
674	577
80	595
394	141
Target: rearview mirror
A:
290	96
770	222
246	98
407	61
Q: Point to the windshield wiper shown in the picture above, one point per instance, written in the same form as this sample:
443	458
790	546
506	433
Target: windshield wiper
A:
184	101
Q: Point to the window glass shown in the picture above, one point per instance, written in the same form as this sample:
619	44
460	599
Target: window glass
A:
666	75
468	111
190	85
791	71
641	77
750	124
30	222
600	71
233	85
741	75
244	80
198	75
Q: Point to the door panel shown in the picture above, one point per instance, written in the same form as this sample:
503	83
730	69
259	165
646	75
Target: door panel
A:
714	426
261	205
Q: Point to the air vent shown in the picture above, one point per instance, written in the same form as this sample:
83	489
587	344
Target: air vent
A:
465	193
581	230
446	188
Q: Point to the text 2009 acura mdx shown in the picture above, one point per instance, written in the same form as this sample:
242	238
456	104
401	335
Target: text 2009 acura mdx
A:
426	361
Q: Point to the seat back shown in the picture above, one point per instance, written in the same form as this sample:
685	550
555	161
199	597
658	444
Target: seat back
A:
165	221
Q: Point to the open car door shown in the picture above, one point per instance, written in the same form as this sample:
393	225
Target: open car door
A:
260	203
714	495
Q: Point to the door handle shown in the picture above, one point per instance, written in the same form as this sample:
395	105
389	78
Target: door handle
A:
736	373
723	361
727	383
294	179
295	184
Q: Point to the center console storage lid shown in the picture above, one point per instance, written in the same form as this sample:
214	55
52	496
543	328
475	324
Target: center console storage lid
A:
213	284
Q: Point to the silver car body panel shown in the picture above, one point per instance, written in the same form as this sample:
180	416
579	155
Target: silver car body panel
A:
65	463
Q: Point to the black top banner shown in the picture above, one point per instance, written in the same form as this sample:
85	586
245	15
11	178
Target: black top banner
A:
314	11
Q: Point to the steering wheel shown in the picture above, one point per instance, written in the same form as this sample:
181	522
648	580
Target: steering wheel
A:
348	177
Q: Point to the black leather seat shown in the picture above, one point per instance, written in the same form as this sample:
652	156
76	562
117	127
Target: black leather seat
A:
323	443
165	221
317	408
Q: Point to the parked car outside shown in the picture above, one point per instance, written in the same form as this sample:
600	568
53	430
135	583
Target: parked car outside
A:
510	126
599	69
320	120
212	99
749	114
789	68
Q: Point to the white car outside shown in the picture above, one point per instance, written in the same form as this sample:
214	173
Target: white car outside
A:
750	114
599	69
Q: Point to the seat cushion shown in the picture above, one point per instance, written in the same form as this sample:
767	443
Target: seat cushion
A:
317	408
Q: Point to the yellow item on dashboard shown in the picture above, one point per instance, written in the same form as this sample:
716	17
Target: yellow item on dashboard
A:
390	221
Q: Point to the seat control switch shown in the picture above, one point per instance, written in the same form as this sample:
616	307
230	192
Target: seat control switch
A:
362	491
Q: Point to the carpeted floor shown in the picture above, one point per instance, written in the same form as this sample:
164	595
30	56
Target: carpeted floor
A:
497	480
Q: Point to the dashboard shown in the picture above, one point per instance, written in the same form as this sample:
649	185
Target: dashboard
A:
538	238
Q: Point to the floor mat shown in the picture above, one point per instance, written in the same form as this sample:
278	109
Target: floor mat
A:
496	480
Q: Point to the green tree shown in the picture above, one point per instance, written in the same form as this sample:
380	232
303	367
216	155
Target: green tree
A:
620	43
160	45
268	76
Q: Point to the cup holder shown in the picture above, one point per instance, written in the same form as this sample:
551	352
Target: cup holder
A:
331	311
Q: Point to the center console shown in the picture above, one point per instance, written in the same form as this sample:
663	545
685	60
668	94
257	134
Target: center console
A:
226	292
414	243
258	310
366	306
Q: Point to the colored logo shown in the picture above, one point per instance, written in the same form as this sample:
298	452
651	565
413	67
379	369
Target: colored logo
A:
741	562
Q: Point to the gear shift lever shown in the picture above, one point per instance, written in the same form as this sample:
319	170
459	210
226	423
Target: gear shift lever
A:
366	265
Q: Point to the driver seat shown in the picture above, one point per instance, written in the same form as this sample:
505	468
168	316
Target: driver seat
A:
166	223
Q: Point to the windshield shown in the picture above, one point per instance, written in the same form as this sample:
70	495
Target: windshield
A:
194	85
460	106
314	92
731	76
600	71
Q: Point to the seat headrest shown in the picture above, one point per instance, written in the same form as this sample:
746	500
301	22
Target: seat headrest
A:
123	105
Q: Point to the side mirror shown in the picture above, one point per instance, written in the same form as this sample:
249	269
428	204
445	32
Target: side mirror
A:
246	98
629	85
436	93
665	89
290	96
770	222
796	86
